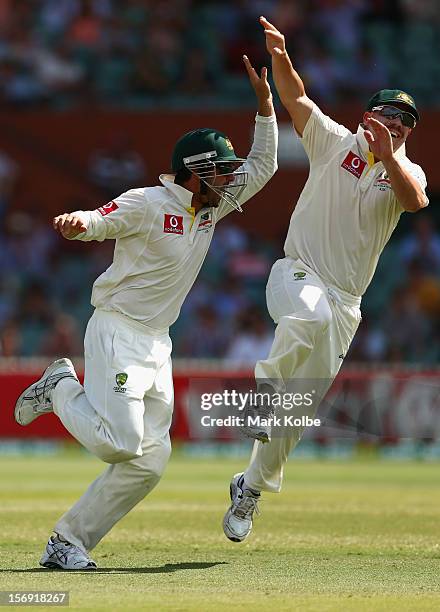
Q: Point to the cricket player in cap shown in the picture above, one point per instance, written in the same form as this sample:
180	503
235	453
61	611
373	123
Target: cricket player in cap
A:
358	186
123	412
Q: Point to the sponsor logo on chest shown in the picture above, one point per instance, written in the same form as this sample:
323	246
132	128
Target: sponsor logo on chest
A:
173	224
354	164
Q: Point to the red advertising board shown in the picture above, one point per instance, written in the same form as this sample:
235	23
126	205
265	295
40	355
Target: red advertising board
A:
387	402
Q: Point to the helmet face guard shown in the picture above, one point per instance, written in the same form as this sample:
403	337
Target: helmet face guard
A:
208	170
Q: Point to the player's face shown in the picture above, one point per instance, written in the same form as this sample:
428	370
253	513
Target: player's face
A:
225	173
224	176
397	120
213	199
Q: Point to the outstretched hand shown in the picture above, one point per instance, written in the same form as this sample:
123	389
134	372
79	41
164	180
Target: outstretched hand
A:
379	139
275	42
259	83
69	225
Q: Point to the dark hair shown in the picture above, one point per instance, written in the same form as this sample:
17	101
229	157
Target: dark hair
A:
182	176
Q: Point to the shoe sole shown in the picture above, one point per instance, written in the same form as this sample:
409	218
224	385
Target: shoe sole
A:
23	393
262	436
55	566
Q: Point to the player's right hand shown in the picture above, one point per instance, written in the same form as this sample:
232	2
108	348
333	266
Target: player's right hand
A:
259	83
69	225
275	43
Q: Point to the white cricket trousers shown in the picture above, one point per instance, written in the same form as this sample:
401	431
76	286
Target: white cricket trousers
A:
122	415
315	326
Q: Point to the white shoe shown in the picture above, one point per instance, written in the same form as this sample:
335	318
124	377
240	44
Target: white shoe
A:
257	422
237	522
37	398
60	554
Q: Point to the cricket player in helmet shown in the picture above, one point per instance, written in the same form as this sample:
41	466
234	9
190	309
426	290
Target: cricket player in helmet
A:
123	412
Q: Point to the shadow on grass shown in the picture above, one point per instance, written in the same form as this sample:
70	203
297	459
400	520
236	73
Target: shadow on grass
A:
163	569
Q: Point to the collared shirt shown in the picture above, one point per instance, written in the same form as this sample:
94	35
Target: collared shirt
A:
161	243
347	210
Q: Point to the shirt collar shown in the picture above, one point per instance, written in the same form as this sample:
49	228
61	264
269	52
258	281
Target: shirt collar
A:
365	149
184	196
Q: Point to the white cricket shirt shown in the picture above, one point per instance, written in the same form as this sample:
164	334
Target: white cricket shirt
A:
160	243
347	210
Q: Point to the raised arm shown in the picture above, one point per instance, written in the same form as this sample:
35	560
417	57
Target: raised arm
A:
261	163
287	81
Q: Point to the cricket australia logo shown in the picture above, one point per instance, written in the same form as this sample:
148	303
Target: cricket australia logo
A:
383	183
299	275
205	222
121	379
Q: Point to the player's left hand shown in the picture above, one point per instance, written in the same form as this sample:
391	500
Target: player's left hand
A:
259	83
379	139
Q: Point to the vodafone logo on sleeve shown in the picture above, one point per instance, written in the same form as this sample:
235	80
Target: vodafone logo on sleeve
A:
354	164
108	208
173	224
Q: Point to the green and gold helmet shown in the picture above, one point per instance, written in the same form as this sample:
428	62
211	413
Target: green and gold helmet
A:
208	154
213	143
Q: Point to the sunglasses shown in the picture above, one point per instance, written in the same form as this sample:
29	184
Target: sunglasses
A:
391	112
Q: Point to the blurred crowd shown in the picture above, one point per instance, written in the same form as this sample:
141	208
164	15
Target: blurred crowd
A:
137	54
45	285
141	53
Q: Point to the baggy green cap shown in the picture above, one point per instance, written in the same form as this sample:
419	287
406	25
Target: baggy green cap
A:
388	96
203	140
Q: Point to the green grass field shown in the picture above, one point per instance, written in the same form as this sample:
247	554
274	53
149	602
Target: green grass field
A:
341	536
